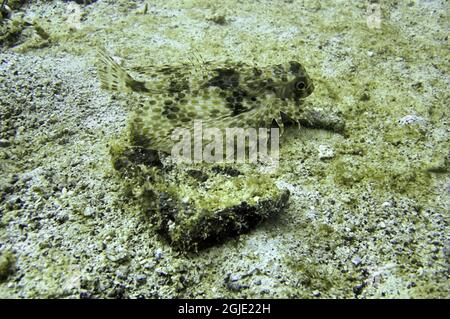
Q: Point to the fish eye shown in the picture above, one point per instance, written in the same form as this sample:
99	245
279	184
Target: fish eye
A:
300	85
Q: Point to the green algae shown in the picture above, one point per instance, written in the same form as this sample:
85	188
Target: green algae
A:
11	31
349	171
313	276
7	264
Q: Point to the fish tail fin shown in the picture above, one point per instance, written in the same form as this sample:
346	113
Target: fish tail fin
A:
112	76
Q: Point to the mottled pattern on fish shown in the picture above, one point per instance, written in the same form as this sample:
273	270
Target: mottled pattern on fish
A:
222	95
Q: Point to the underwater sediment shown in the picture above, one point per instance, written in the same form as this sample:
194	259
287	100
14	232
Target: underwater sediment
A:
84	213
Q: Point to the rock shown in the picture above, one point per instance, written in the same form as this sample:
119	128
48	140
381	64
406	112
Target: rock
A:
158	254
218	19
198	175
88	211
356	261
322	120
226	171
412	120
235	286
325	152
358	288
232	283
192	215
141	279
411	285
194	228
118	255
235	277
386	205
161	272
7	264
85	2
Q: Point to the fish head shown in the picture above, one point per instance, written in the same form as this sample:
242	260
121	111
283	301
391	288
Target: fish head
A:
293	83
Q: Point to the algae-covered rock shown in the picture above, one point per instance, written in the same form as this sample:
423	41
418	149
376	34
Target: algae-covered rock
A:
189	226
15	4
11	32
195	206
7	264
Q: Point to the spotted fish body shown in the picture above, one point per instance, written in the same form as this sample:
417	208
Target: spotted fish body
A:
222	96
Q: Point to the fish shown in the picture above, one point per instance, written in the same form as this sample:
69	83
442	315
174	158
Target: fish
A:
226	94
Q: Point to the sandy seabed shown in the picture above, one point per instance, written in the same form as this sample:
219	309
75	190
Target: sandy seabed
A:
368	211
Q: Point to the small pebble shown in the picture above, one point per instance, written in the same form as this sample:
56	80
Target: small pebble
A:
141	279
158	254
386	205
325	152
412	120
88	211
161	272
356	261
